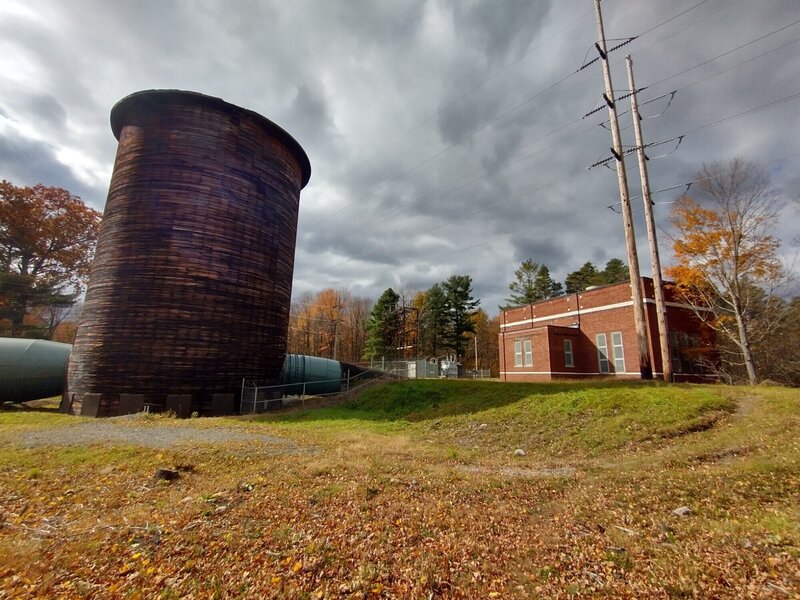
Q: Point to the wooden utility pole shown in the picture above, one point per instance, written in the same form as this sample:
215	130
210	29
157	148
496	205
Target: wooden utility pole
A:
655	261
645	365
338	307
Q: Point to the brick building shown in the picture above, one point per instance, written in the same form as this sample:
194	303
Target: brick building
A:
592	334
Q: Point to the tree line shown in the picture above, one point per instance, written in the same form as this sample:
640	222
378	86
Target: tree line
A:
533	283
727	267
330	324
444	320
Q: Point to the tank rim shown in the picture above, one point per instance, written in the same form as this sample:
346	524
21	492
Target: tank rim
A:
148	100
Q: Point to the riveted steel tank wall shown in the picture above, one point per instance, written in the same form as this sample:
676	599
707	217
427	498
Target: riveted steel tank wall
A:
190	288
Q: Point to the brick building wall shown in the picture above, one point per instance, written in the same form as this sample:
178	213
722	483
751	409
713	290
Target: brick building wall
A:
558	338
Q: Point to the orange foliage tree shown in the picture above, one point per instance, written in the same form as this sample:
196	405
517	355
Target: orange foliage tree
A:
329	324
47	241
486	335
725	252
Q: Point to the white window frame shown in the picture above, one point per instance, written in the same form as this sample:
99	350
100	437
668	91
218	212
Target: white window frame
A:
618	351
569	356
517	353
528	349
602	352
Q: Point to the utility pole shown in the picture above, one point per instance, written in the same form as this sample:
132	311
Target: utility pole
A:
627	218
655	261
476	354
338	307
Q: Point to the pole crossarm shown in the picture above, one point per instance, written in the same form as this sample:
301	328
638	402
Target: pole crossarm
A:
603	54
636	149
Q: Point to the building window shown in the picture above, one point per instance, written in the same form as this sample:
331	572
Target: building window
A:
569	359
528	353
619	355
518	353
675	351
602	352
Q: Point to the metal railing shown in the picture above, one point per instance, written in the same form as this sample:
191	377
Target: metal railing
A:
258	398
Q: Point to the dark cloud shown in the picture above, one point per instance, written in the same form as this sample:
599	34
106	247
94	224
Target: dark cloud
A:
445	136
492	30
48	111
310	111
28	162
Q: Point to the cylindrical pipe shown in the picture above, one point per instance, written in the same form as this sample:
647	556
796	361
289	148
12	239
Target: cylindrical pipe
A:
317	375
31	369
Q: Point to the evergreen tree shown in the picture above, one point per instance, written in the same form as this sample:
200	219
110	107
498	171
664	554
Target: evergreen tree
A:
532	283
433	320
616	271
545	286
383	327
523	287
579	280
460	307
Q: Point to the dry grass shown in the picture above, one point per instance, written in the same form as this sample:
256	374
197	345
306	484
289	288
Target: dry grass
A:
413	491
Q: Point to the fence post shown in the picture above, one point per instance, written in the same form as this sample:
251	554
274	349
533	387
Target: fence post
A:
348	380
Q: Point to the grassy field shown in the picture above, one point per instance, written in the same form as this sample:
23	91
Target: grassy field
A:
419	490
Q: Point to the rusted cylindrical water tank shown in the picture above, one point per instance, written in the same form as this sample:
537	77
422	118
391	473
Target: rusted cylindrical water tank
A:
191	283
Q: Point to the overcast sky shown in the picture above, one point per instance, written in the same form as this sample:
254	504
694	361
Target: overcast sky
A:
445	136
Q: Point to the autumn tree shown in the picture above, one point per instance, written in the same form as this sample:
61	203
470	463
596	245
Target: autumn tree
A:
301	325
329	323
725	250
329	305
354	334
532	283
47	241
486	335
776	359
773	324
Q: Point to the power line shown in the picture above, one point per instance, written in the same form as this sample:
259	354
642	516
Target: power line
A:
571	137
477	87
568	177
447	148
670	19
481	127
671	96
574	215
731	51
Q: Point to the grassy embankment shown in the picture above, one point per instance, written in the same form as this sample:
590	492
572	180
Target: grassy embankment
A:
414	489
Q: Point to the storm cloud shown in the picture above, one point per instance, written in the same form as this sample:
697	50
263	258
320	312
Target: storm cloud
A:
445	136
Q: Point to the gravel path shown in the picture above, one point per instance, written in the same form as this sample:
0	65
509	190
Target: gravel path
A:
152	436
522	472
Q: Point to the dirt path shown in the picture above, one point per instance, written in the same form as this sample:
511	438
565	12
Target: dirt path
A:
746	405
151	436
